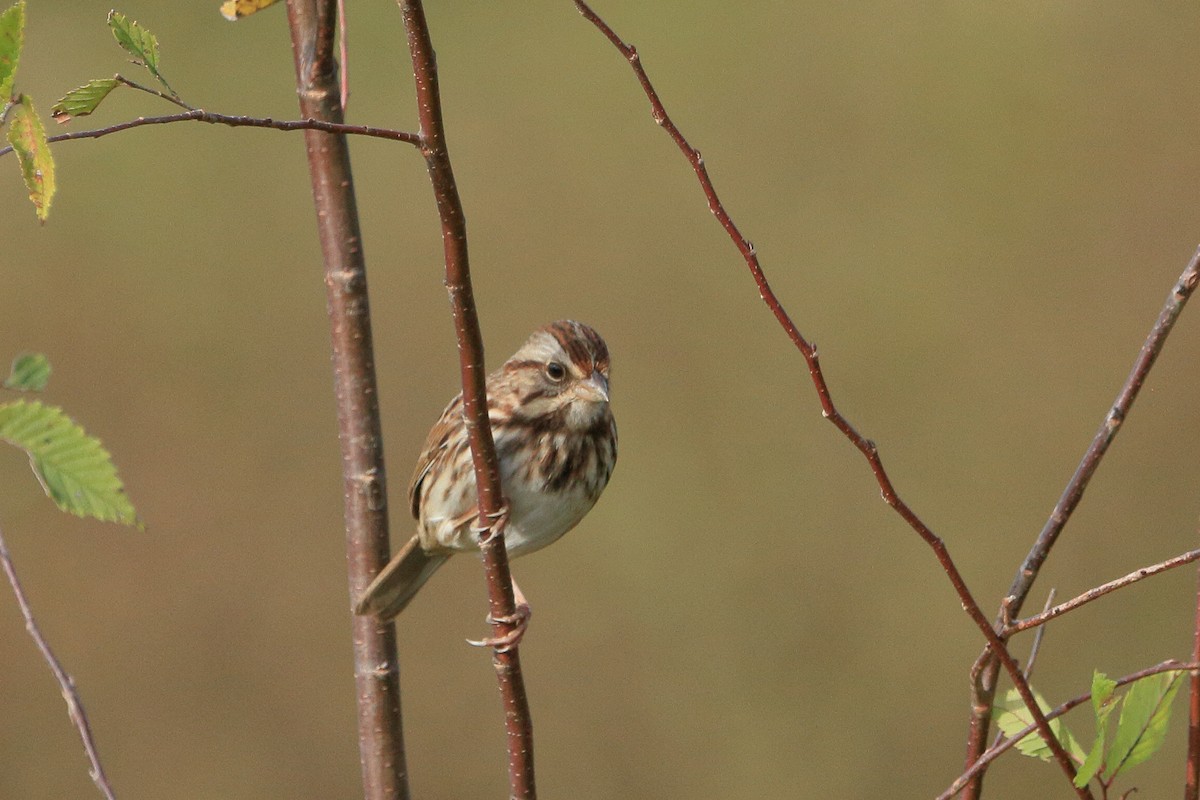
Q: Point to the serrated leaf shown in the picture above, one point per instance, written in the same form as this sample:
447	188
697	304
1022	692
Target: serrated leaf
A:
1103	689
82	100
28	139
1144	719
74	468
139	43
1104	702
1012	717
30	373
12	34
233	10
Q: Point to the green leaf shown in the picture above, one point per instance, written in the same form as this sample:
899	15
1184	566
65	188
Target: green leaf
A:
1144	719
1103	689
74	468
12	33
1104	702
1012	717
28	138
30	373
139	43
82	100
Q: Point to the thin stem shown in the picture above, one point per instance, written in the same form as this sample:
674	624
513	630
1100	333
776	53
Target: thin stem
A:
983	689
1001	747
809	352
65	683
200	115
1016	626
360	434
492	514
1037	640
1191	790
170	98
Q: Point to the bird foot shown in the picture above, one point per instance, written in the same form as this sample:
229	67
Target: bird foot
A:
519	620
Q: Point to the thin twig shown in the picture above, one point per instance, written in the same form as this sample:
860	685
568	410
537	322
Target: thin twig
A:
65	683
360	433
1036	647
1016	626
170	98
997	750
200	115
809	352
492	515
344	55
1191	790
984	673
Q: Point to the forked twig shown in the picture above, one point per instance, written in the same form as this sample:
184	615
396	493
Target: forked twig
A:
983	674
74	704
809	352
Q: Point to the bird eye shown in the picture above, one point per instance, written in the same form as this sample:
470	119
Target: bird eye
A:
555	371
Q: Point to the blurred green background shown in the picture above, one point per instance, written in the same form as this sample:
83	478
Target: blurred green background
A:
976	209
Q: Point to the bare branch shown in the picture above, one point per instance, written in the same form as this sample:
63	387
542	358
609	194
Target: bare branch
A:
984	673
74	704
1016	626
376	665
809	352
997	750
200	115
505	658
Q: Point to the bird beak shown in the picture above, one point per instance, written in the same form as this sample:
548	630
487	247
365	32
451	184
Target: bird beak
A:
594	389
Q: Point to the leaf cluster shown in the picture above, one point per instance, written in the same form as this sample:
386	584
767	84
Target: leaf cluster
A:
1145	710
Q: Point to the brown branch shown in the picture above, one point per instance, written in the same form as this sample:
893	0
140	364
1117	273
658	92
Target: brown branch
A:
376	666
1016	626
809	352
1191	790
998	749
170	98
985	670
65	683
505	659
200	115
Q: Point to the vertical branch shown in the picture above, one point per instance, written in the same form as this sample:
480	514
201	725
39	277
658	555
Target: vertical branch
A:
984	673
1191	789
65	684
376	667
505	659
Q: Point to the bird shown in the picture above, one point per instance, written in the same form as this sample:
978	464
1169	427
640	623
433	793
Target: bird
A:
556	444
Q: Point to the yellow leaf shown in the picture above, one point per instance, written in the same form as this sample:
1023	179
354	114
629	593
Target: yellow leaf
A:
233	10
28	139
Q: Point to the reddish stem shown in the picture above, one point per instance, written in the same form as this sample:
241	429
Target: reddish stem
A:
809	352
506	660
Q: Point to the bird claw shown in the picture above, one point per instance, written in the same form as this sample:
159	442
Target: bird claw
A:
499	521
519	620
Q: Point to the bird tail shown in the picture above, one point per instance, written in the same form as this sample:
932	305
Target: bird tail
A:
399	581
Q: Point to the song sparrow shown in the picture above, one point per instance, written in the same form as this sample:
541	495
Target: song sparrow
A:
556	441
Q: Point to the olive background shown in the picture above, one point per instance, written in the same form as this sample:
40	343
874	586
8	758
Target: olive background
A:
975	209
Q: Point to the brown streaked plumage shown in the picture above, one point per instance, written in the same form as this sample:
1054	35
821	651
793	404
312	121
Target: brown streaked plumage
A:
556	442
